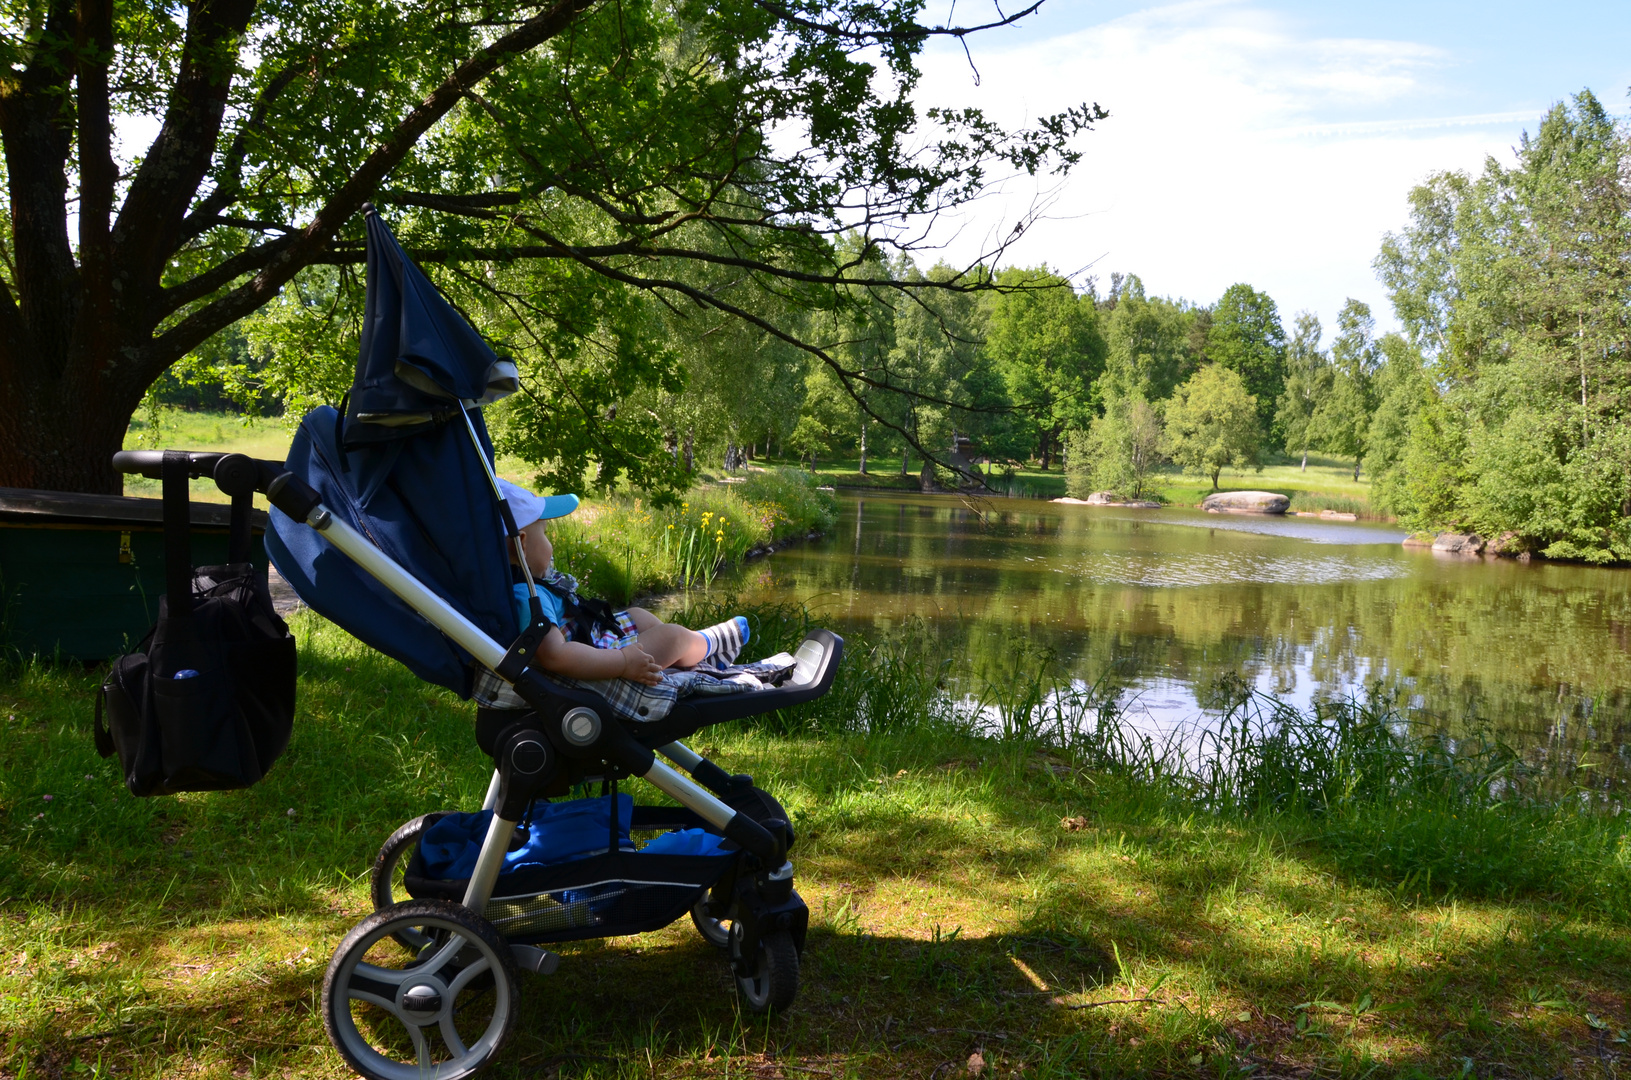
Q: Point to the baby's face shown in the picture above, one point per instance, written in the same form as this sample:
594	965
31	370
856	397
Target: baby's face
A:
535	542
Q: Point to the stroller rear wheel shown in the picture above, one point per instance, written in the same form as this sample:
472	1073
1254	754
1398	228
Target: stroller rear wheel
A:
385	884
444	1013
774	981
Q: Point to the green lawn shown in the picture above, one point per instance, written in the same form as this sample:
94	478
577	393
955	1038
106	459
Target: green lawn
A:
969	897
212	432
1326	483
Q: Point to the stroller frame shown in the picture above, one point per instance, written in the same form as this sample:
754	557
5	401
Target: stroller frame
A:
566	735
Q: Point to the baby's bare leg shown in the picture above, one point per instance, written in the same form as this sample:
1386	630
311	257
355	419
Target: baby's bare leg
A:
670	644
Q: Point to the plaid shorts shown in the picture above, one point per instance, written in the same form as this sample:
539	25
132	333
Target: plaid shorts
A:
633	700
630	700
605	638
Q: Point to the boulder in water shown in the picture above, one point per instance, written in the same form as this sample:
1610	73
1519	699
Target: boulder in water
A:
1110	498
1246	502
1459	543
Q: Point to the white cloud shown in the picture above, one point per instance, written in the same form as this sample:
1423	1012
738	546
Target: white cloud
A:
1236	150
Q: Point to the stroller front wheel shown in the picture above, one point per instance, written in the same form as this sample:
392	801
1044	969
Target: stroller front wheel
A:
774	981
714	931
443	1013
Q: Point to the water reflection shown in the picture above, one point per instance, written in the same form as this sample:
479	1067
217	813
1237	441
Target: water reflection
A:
1169	600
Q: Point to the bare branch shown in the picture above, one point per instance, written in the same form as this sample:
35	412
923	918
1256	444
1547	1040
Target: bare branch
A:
914	32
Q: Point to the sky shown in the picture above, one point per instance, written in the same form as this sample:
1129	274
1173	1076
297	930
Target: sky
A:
1272	143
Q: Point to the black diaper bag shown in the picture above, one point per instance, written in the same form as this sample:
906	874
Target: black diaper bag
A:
206	702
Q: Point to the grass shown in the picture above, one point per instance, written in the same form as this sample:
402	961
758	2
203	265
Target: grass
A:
1319	895
1327	484
618	547
621	548
1028	482
209	432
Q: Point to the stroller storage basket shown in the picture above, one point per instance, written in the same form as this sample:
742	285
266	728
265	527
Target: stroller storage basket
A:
606	895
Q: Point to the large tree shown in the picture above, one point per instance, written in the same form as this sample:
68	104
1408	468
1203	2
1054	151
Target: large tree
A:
1046	341
1341	422
169	169
1246	337
1211	423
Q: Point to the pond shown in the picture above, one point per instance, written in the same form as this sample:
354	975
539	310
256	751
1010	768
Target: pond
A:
1164	602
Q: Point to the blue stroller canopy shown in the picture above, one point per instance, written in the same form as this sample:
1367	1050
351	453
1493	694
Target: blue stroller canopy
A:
419	359
402	467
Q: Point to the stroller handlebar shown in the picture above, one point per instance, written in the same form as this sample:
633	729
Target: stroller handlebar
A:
235	474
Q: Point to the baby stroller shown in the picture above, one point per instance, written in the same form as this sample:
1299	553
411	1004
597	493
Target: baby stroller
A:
388	520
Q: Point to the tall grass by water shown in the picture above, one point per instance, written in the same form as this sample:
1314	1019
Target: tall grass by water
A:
622	547
1380	793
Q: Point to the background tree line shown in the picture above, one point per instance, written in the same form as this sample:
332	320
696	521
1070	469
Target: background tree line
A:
1513	286
992	372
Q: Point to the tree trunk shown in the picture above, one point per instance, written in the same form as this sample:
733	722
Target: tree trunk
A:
862	469
927	480
1215	478
61	434
1356	470
77	342
690	461
905	461
1046	452
1305	459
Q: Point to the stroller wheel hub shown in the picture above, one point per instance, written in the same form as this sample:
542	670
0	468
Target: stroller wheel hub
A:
581	726
529	757
422	1002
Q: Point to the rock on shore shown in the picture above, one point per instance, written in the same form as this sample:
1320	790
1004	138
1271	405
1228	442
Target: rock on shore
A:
1459	543
1110	498
1246	502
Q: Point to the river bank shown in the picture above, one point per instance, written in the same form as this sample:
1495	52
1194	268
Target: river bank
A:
1047	894
623	547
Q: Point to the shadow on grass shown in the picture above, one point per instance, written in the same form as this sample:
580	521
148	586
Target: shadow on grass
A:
953	916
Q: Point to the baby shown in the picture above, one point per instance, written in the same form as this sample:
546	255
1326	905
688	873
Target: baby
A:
588	639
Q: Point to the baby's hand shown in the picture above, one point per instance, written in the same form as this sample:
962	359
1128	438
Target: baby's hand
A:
640	667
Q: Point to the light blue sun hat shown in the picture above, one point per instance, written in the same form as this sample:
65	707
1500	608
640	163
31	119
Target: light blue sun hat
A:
528	507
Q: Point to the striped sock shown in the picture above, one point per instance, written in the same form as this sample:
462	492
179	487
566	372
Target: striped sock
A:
726	640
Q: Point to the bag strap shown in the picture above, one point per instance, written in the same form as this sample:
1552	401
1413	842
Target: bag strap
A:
178	560
104	737
238	530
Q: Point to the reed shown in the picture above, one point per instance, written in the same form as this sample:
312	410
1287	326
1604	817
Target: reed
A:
1384	795
625	547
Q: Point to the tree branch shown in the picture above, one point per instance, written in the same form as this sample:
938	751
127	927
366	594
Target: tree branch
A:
706	299
309	243
227	188
913	32
222	274
37	144
148	230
